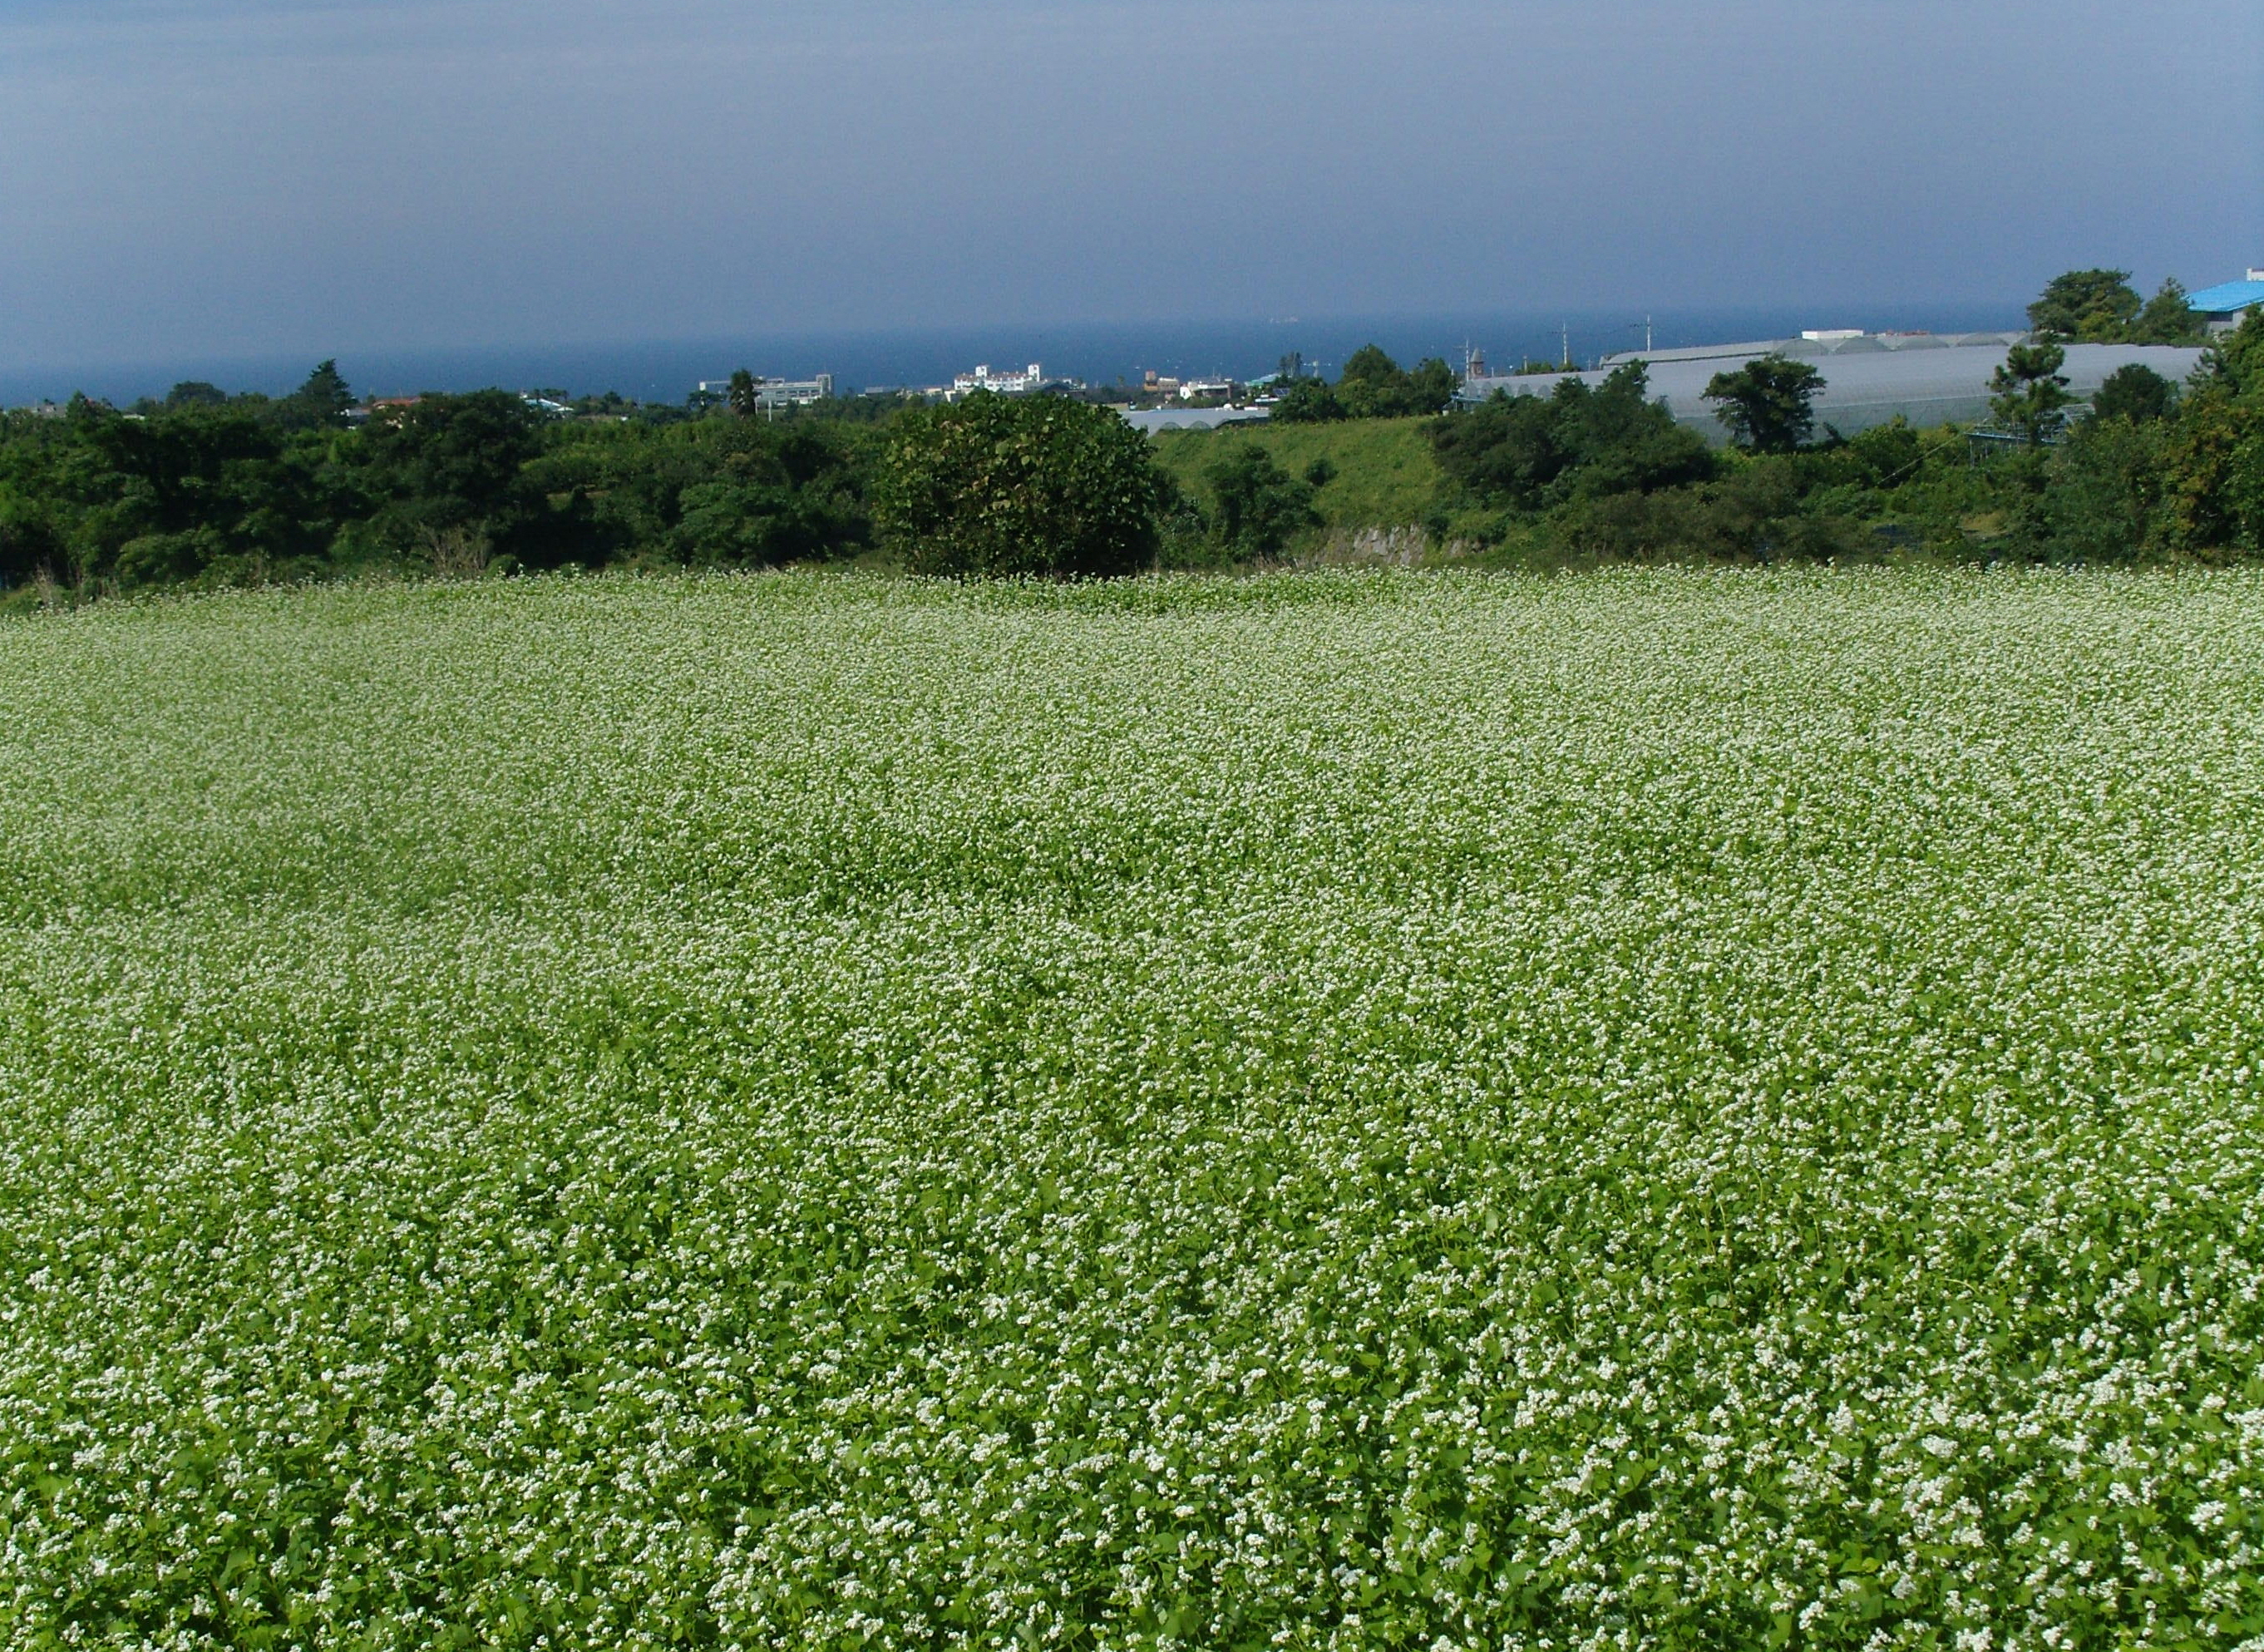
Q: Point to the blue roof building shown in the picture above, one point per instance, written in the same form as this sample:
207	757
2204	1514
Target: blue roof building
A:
2222	305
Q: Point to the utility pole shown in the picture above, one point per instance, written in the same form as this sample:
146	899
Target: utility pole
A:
1565	329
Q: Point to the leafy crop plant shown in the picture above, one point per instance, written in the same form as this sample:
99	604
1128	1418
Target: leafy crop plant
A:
1657	1110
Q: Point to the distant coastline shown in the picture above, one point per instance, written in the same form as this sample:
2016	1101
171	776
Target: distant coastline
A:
1098	352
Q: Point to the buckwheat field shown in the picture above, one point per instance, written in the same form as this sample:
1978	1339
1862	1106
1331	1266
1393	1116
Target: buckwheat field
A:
1646	1110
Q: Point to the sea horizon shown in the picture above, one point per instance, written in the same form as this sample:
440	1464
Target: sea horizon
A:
1098	352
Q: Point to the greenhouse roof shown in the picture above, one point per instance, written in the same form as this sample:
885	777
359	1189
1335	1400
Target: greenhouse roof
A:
1862	388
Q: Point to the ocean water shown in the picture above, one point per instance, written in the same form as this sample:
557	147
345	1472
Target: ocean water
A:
1099	353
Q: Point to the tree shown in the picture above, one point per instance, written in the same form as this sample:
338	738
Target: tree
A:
1372	385
2031	397
2103	501
1618	440
2134	392
2090	306
321	401
1767	404
195	393
746	402
1431	387
1018	486
1308	402
2213	481
1506	449
1577	443
2235	361
2168	319
450	468
1256	507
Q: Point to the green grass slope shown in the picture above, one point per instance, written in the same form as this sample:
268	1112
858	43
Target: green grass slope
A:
1652	1110
1387	475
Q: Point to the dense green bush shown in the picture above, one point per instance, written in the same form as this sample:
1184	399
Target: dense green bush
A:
204	489
1018	486
1372	386
1256	507
1577	443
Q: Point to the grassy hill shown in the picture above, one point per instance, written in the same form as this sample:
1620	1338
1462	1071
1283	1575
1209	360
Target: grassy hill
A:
1387	475
1649	1109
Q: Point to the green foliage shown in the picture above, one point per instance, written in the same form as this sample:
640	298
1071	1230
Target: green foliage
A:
208	494
1374	385
744	398
320	403
207	489
1005	486
198	393
2168	318
1507	450
450	471
2106	489
2031	398
1381	473
1308	402
2234	365
2134	392
1754	514
2100	307
1767	405
210	489
2214	489
2086	306
1256	507
1665	1111
1581	443
708	493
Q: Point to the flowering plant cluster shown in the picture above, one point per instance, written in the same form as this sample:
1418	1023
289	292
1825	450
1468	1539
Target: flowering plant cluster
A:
1655	1110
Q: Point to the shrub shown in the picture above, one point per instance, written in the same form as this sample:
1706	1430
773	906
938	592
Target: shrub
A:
994	486
1256	506
1581	443
1308	402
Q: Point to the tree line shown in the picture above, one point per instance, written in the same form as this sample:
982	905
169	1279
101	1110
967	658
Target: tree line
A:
2149	469
204	488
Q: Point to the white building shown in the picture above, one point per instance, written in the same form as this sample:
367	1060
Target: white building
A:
1005	381
775	393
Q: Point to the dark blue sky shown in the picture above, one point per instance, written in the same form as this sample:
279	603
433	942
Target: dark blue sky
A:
204	177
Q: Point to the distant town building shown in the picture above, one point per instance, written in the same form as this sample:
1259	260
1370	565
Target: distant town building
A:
1004	381
381	407
2222	307
1190	388
774	393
